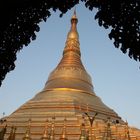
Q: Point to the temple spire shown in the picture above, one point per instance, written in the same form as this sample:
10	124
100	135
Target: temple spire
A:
71	53
72	42
70	69
74	21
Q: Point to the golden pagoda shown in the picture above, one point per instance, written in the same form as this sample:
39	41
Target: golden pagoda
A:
69	104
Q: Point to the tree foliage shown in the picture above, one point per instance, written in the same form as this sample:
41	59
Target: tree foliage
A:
19	25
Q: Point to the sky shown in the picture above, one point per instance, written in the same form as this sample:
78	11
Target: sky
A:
115	77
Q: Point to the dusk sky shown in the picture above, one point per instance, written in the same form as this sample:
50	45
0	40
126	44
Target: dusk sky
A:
115	77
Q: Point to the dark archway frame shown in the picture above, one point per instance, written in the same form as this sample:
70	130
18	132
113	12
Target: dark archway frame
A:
20	19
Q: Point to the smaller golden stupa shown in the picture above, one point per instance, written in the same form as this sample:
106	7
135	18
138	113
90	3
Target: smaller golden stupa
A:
67	108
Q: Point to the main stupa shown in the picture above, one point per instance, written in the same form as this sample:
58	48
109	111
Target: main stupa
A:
67	108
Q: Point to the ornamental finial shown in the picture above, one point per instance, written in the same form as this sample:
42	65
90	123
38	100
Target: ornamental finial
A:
12	133
63	136
74	14
27	133
45	134
72	42
52	131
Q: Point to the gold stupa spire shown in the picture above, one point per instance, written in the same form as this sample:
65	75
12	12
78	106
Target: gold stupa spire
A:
73	34
71	53
70	72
